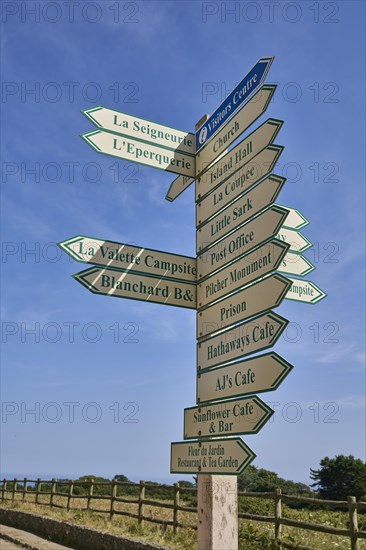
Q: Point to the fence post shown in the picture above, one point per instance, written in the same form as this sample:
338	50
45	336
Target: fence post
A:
91	491
141	501
353	523
25	489
3	491
176	506
53	491
15	485
38	489
71	492
113	496
278	513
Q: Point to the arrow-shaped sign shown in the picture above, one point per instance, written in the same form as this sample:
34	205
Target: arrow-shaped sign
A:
257	298
305	291
127	257
138	287
229	163
142	130
248	337
235	100
295	220
258	231
298	243
296	264
252	266
235	159
243	416
256	375
234	128
119	146
241	210
215	456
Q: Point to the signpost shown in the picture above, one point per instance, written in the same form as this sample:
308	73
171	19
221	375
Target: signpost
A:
295	220
234	128
297	241
255	375
242	238
260	230
243	416
245	270
236	99
257	298
149	154
142	130
138	287
296	264
305	291
130	258
237	157
241	210
245	338
213	456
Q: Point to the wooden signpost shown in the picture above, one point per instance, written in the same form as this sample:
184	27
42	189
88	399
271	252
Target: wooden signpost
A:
243	238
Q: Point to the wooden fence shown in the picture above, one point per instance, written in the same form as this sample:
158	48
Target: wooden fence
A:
22	490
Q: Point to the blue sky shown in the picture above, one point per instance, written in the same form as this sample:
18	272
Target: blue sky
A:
170	62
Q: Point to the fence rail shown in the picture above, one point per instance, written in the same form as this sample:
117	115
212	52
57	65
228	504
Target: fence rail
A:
10	489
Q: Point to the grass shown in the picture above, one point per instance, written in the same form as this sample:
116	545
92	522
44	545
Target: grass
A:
252	535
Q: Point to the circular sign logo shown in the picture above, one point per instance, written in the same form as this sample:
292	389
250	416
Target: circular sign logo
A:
202	135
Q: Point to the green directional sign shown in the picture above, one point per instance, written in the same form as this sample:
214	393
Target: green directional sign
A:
230	162
233	129
305	291
215	456
110	282
242	416
298	243
130	258
245	338
295	220
141	130
245	270
255	375
214	256
149	154
241	210
257	298
296	264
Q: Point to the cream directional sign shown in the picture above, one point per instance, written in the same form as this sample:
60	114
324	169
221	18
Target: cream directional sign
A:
138	287
241	210
256	375
215	456
296	264
134	259
235	127
141	130
257	298
243	416
109	143
261	229
240	155
297	241
248	337
234	101
252	266
305	291
295	220
177	187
